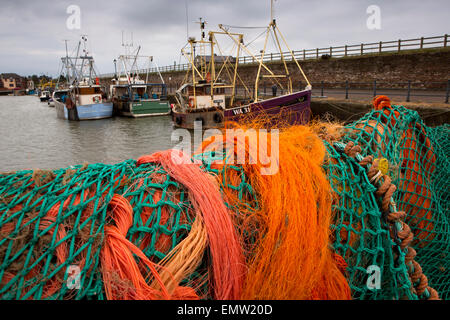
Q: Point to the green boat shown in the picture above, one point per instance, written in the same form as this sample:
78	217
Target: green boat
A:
140	99
133	96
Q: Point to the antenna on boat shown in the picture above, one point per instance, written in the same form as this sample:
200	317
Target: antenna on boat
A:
66	63
202	24
187	19
84	38
271	10
127	44
67	53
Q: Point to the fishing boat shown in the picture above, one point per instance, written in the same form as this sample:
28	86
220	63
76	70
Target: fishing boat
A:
136	97
85	99
45	96
210	94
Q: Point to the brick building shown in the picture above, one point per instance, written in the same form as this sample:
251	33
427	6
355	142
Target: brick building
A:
12	81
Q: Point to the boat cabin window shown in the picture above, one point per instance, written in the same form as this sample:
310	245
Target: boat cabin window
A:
60	94
200	91
206	90
90	90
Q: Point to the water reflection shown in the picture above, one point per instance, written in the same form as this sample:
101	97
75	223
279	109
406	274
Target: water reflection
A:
32	137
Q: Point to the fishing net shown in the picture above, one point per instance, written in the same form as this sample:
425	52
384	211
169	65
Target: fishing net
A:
52	226
52	223
416	158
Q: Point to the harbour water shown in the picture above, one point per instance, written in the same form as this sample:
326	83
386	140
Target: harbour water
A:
32	137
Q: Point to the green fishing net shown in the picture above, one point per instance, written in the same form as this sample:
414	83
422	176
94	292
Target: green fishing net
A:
31	238
360	234
418	164
79	196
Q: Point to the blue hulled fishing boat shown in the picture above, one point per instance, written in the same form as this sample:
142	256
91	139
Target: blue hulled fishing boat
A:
85	99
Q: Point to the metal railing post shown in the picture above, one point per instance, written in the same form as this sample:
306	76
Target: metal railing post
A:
448	91
346	50
421	42
321	89
362	48
408	95
445	40
399	45
374	88
317	53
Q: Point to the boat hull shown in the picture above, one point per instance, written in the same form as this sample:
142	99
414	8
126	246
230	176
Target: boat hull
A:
291	109
287	110
210	119
139	109
84	112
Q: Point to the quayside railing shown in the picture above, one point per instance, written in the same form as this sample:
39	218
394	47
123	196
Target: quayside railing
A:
395	46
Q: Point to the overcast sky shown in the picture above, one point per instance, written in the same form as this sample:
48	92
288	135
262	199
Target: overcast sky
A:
32	32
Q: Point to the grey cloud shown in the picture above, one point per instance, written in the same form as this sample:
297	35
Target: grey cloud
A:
32	32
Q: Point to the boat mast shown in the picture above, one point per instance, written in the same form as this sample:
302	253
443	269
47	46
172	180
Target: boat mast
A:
66	64
83	37
148	70
233	77
202	72
192	42
134	63
275	31
157	68
286	69
124	59
212	68
263	52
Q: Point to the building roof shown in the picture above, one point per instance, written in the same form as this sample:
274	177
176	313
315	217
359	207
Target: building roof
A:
10	75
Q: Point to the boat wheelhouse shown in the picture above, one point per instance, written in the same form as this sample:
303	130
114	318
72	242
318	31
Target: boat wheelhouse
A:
140	100
45	96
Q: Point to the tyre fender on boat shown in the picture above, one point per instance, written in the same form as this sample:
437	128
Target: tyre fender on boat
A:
218	117
178	120
69	103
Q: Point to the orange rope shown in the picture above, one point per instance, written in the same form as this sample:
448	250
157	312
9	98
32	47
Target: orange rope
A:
228	262
122	275
291	258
